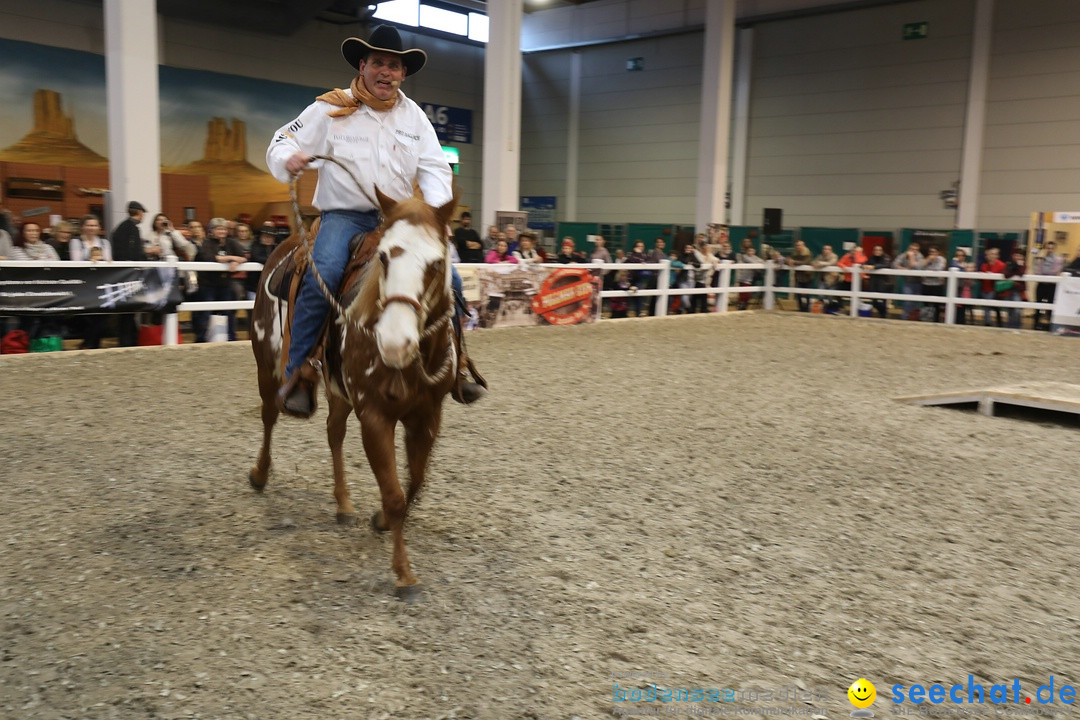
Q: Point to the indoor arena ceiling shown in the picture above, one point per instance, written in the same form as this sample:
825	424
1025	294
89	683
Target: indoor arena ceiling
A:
285	17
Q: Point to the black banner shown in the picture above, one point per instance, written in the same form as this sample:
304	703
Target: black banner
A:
98	289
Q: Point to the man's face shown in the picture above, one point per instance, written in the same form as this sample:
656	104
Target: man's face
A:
800	245
382	73
466	221
659	244
827	250
511	232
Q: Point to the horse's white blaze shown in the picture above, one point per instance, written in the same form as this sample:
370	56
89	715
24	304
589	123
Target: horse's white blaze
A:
410	249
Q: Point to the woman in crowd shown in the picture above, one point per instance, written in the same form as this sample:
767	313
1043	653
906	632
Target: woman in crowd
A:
261	250
62	232
500	254
165	240
89	240
213	284
244	241
934	285
746	277
28	245
526	252
600	254
1015	269
568	253
89	245
965	314
686	278
703	275
639	278
912	259
196	234
879	283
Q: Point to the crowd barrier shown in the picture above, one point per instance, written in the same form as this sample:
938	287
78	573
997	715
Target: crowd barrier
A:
768	290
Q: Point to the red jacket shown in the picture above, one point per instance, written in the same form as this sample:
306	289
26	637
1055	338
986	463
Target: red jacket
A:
997	266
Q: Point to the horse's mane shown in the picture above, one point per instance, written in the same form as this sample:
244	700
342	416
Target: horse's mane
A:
365	305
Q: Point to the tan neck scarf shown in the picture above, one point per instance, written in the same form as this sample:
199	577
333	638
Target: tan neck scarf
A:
360	94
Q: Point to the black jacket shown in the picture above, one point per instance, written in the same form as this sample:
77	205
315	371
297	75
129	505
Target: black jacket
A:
126	241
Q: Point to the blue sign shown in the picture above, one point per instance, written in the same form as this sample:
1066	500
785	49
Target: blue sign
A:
452	125
541	209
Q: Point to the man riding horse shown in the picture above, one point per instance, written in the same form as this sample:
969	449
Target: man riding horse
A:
388	142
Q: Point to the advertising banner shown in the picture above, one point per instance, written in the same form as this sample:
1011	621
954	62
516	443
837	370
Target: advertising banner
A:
1067	303
507	295
98	289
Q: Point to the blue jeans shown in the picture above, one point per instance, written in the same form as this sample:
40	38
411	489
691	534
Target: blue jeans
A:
912	286
330	256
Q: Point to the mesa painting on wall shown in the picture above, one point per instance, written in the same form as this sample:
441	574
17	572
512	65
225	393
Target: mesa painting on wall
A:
212	124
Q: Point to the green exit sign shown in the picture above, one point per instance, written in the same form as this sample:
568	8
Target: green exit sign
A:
916	31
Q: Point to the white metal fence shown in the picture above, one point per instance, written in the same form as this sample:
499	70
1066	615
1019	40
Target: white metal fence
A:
725	287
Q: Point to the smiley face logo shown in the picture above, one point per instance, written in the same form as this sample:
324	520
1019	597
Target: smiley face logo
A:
862	693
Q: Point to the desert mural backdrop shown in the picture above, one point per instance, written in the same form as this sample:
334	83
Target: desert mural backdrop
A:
214	133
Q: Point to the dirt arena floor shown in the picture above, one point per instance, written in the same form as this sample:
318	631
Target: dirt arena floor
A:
711	501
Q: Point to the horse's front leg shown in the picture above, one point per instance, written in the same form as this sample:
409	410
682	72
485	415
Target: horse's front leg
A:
268	391
421	430
336	424
378	432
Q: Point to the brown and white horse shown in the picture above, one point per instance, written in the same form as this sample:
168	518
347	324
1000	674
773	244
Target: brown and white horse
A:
390	357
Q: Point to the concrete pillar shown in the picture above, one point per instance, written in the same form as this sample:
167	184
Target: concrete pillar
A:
573	139
131	77
715	133
975	117
500	187
740	131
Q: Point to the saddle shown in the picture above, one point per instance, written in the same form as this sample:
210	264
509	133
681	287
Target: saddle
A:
284	283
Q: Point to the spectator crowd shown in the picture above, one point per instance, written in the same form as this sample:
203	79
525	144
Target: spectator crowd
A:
230	242
693	265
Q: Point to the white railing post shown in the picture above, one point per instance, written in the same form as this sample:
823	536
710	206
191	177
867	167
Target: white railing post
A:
171	323
663	284
951	284
769	301
856	286
722	299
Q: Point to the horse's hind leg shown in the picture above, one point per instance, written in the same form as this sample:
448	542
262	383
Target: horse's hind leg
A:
421	430
378	435
268	391
336	425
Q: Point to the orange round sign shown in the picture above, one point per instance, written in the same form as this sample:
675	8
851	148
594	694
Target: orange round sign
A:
565	297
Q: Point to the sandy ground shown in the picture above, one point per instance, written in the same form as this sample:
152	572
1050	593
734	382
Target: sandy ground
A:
711	501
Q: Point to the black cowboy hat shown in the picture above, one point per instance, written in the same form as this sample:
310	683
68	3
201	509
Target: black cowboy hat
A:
385	39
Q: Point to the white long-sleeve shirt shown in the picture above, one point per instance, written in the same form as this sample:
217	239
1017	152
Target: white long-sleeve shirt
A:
385	148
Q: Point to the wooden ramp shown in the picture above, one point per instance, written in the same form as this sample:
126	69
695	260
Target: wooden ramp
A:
1053	396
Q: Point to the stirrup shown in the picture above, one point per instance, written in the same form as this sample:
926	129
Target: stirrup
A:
297	396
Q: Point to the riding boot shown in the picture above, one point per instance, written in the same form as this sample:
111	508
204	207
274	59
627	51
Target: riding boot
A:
464	391
297	396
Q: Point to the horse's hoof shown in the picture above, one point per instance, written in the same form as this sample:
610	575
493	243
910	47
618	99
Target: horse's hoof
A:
376	522
347	519
256	483
408	593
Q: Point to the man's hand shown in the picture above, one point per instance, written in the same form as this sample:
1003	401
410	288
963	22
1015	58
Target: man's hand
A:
297	162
